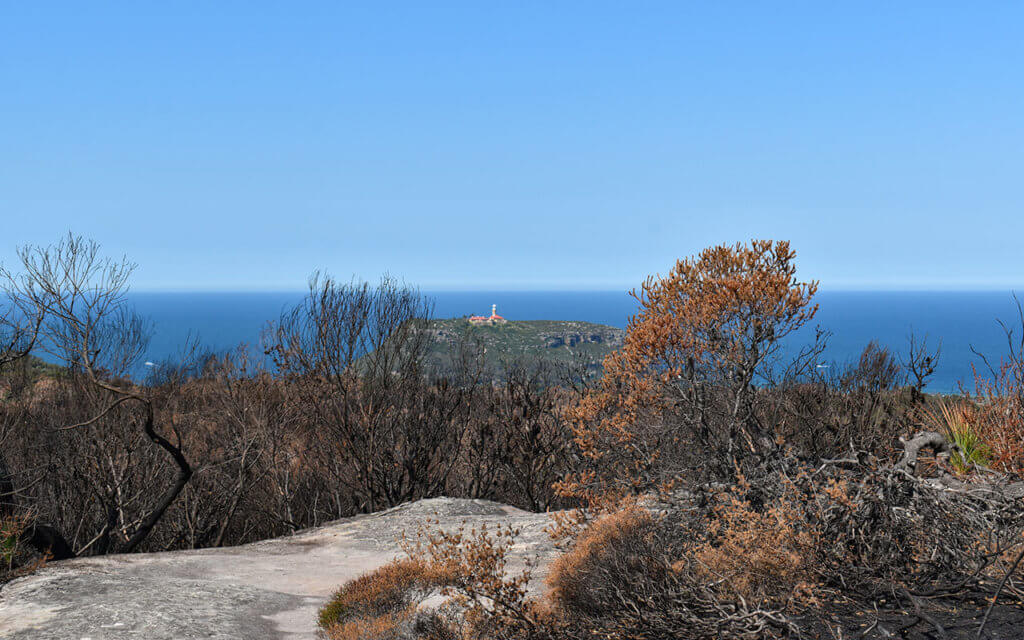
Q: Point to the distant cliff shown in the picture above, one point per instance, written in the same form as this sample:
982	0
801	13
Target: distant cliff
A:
557	342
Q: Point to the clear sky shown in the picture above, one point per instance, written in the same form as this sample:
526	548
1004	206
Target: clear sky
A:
483	145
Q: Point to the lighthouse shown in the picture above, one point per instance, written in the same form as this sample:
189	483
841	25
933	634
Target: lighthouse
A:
494	318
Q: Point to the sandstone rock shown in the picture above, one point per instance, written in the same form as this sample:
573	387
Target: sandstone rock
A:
269	589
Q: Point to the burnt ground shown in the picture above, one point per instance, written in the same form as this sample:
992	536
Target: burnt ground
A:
934	620
272	589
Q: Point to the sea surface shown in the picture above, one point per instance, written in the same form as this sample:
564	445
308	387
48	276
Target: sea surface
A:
956	320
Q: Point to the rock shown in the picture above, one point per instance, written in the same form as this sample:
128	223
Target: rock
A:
270	589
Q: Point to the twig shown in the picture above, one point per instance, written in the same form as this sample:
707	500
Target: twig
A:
921	615
1002	583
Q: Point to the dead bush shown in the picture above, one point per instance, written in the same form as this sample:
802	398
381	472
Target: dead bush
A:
765	555
597	556
632	574
795	550
999	414
867	404
517	442
468	568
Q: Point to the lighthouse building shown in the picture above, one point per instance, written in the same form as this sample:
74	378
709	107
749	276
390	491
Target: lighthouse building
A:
493	319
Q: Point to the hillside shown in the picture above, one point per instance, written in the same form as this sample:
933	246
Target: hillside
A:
32	367
557	342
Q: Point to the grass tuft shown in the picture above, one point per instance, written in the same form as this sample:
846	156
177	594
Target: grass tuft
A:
956	422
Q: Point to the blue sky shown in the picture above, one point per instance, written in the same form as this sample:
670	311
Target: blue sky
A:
546	145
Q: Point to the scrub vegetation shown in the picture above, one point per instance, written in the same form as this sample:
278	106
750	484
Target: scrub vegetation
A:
723	493
708	484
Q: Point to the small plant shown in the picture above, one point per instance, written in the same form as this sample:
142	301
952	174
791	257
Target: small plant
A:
472	566
10	529
7	546
956	422
468	568
12	557
382	603
603	552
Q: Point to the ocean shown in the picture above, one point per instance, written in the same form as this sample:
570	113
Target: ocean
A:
956	320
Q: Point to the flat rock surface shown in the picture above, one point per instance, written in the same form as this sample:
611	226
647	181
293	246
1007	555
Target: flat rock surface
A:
270	589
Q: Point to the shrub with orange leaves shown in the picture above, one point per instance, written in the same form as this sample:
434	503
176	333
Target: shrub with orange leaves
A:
474	568
764	556
633	574
468	568
379	604
597	557
681	392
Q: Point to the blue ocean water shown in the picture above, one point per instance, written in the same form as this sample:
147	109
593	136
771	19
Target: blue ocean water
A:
957	320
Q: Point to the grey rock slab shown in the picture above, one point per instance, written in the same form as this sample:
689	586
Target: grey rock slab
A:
270	589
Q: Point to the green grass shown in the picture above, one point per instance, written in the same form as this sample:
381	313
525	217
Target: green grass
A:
954	421
971	449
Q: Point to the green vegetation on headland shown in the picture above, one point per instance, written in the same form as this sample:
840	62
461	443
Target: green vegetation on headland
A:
32	368
39	368
555	342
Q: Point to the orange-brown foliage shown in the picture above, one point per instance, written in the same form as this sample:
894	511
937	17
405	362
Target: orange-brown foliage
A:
473	565
571	575
380	604
999	414
760	555
379	592
385	627
469	567
709	325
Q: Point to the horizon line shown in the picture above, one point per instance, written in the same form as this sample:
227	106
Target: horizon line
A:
907	288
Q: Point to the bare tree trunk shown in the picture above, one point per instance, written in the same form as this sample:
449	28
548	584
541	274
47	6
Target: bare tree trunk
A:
6	490
243	474
184	474
924	440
